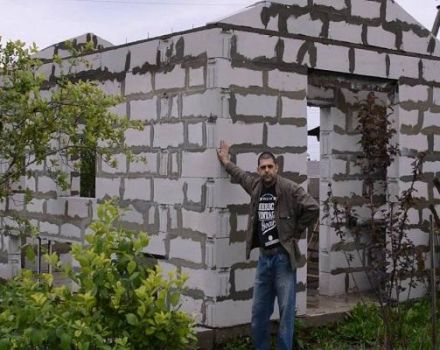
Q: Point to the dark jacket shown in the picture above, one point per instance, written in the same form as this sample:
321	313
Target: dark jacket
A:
295	210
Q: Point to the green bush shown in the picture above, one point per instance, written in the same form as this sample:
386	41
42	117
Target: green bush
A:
120	303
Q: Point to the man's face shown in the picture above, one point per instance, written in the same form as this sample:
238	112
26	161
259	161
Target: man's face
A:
267	170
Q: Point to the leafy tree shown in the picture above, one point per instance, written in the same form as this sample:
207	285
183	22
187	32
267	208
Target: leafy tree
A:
53	119
120	302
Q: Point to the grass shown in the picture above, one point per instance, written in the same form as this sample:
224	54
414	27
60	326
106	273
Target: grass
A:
362	329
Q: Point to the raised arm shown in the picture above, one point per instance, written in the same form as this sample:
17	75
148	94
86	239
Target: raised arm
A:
238	175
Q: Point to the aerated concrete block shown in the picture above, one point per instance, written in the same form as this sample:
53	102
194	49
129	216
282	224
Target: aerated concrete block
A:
69	231
143	53
418	237
138	137
401	66
344	260
431	71
195	134
370	63
332	58
246	45
228	313
223	193
394	12
301	3
168	191
331	285
194	189
418	93
304	25
377	36
211	282
137	83
228	253
145	110
107	187
431	167
35	206
347	187
174	79
291	49
186	249
436	96
227	76
242	222
156	244
168	135
192	307
256	105
78	207
205	42
213	223
49	228
437	143
201	104
287	81
365	9
286	136
348	143
201	164
416	142
114	60
56	206
295	163
336	4
238	133
411	42
197	76
344	31
247	161
46	184
292	108
137	189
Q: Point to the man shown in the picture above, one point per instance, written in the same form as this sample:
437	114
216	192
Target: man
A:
280	211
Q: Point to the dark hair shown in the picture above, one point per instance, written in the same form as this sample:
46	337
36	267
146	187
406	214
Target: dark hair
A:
266	155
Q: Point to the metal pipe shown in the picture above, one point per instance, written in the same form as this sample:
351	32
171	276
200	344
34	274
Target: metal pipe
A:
436	24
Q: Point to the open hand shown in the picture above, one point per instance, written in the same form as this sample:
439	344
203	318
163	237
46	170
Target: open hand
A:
223	152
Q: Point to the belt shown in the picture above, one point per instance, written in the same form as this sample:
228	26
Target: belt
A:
273	251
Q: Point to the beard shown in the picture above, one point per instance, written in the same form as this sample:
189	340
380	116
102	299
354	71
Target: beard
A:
268	179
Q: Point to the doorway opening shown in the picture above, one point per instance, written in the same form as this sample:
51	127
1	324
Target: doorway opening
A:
313	187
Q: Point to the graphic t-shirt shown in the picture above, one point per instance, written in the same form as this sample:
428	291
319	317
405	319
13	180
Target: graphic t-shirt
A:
267	228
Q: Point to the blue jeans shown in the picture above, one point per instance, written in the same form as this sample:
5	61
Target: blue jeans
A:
274	278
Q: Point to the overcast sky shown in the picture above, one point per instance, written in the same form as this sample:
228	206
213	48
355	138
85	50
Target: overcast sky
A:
46	22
